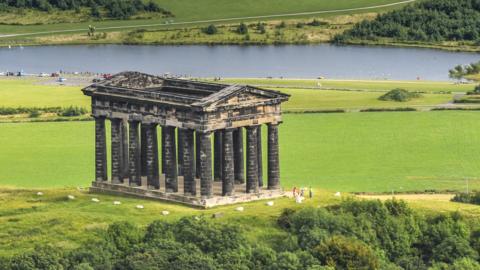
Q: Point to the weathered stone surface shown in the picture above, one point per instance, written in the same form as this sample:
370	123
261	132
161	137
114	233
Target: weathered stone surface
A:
228	174
116	147
206	178
153	179
188	161
260	157
134	154
217	156
238	157
171	181
197	109
180	152
100	150
252	155
273	158
143	149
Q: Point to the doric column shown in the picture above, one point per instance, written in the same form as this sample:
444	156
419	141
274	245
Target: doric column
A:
117	155
205	165
228	181
252	155
217	155
189	184
260	157
100	150
197	154
134	154
153	179
238	156
124	142
273	157
171	181
180	152
143	150
163	149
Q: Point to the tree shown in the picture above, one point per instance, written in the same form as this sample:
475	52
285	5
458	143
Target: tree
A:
210	30
242	29
95	12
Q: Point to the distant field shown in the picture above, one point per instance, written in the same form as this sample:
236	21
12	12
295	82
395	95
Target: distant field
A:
400	151
366	85
28	93
187	10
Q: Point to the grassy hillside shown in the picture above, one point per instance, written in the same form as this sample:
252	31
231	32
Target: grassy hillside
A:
401	151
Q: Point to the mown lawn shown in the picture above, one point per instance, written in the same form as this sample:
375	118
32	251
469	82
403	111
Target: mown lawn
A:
366	85
372	152
31	93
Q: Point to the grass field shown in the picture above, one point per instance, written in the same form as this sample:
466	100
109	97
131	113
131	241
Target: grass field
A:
36	92
186	10
372	152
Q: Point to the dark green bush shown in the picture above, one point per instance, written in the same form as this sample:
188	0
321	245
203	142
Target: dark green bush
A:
400	95
242	29
73	111
210	30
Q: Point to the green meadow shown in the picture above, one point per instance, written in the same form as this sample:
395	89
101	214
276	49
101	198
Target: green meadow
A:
188	11
370	152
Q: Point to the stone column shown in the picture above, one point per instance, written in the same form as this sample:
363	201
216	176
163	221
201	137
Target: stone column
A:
124	140
144	146
180	152
252	155
163	149
260	157
100	150
273	157
206	178
189	184
134	154
228	181
117	155
197	154
217	155
153	179
238	156
171	173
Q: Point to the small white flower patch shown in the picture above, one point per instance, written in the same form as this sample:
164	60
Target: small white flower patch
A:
71	197
165	213
39	193
117	203
95	200
139	206
270	203
239	209
338	194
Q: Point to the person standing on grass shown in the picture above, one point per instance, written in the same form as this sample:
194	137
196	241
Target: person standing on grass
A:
310	192
294	191
302	192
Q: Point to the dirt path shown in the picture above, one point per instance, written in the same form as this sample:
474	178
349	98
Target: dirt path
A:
212	21
411	197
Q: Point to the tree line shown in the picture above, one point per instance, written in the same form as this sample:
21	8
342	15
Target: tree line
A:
426	21
118	9
350	235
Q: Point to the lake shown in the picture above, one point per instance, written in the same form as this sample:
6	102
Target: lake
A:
298	61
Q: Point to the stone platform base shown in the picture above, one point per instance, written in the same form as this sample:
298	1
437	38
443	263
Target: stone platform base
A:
239	196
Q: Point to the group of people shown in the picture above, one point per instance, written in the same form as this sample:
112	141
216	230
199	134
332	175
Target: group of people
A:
299	193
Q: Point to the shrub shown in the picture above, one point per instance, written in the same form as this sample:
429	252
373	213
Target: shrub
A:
73	111
399	95
242	29
346	253
210	30
34	114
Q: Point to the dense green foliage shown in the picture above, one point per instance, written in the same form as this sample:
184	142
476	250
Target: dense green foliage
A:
349	235
472	197
431	21
375	235
398	94
114	8
459	71
37	111
210	30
